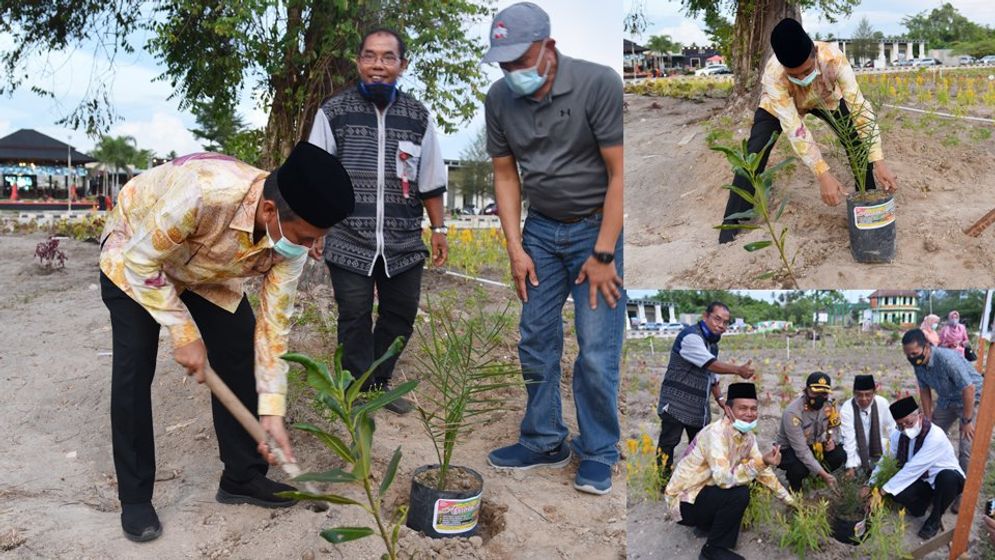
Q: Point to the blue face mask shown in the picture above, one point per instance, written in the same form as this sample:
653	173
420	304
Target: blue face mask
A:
284	247
806	81
744	427
380	93
709	335
527	80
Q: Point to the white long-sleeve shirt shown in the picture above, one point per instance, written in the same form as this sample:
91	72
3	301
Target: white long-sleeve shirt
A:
936	454
848	429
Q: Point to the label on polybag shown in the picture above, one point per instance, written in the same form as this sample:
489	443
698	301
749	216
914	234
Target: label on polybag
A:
456	516
874	217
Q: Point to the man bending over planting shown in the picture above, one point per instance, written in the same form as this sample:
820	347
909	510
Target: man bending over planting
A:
806	76
174	253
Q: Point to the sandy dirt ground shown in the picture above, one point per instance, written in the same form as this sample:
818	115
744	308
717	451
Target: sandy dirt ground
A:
674	195
652	535
58	492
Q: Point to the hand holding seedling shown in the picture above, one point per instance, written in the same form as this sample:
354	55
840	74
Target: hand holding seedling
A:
193	357
773	457
522	268
746	371
831	189
276	430
829	479
884	176
601	277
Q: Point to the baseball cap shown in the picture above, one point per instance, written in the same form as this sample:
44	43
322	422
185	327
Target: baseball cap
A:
514	29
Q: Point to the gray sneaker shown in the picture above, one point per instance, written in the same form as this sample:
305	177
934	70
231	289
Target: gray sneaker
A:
400	406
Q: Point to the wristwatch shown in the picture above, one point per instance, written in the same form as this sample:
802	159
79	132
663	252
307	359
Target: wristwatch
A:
440	229
603	258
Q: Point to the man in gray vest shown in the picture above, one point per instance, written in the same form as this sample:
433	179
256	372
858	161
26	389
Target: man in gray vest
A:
385	139
690	376
559	120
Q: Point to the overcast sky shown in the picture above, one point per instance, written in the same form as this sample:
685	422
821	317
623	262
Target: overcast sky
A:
590	29
667	18
764	295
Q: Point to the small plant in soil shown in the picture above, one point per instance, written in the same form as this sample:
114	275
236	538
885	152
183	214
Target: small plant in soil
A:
49	254
459	361
644	476
847	503
886	468
857	133
339	392
885	537
746	165
807	529
760	513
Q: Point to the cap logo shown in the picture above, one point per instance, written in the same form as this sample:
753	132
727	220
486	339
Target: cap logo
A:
499	31
823	381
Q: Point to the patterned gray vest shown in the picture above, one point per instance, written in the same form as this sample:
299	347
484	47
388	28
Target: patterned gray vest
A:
384	222
685	388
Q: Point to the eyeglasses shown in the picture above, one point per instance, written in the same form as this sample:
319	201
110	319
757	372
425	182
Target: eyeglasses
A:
718	320
389	59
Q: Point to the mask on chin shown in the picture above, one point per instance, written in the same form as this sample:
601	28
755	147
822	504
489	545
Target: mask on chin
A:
709	335
806	81
380	93
816	403
744	427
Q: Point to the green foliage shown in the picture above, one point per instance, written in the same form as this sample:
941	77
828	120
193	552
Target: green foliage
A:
885	536
225	131
864	45
857	133
339	392
807	529
476	175
87	228
847	503
760	513
886	468
692	87
746	164
459	359
944	26
645	478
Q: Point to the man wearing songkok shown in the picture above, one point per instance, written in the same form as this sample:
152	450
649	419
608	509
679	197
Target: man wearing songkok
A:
710	488
808	433
809	77
929	474
175	251
865	425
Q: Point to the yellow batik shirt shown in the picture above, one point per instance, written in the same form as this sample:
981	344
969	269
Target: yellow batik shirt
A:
789	103
720	456
188	225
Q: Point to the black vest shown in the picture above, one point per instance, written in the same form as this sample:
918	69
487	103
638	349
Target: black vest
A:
685	388
382	216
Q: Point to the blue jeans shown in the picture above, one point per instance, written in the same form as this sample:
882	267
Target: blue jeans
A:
558	251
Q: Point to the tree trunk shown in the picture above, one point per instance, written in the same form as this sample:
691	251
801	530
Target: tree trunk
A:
751	47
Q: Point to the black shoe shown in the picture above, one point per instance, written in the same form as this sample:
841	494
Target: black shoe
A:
140	522
699	532
709	552
400	406
258	491
930	529
728	235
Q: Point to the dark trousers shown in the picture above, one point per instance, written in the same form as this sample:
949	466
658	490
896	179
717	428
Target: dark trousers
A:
230	350
796	471
920	495
670	435
764	126
718	511
397	305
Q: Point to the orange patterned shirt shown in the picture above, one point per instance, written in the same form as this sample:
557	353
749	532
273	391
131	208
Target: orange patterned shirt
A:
720	456
188	225
789	102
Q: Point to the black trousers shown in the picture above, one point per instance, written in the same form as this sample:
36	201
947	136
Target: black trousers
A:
796	471
230	350
920	495
670	435
764	126
718	511
397	306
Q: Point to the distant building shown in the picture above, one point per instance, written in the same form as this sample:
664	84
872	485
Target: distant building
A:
890	51
698	57
36	166
895	306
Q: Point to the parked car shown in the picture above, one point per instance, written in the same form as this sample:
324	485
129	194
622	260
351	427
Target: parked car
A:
987	60
713	70
928	61
965	60
490	209
905	63
672	327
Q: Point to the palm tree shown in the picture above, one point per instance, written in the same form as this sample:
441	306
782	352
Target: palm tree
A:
115	152
663	44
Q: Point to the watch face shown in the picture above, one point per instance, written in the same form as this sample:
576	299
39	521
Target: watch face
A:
604	257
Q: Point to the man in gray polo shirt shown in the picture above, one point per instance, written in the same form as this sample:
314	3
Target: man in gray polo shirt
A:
560	121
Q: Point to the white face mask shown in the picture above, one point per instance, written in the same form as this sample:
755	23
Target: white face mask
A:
913	432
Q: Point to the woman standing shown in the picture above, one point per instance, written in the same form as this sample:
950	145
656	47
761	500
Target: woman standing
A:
954	334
